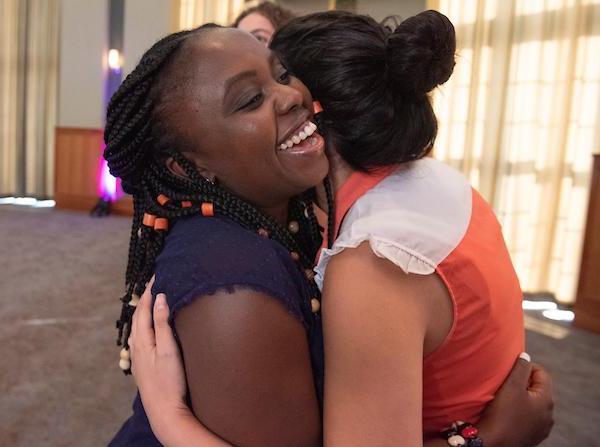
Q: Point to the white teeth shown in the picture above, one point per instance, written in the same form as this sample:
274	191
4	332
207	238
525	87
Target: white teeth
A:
306	132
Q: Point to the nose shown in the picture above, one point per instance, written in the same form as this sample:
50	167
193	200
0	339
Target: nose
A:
287	98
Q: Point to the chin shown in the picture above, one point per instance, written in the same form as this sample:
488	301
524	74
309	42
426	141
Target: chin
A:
316	176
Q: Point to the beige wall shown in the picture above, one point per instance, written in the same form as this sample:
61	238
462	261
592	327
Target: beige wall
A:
380	9
146	21
83	40
83	48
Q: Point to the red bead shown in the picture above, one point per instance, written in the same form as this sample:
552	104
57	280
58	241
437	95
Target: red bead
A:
469	432
263	233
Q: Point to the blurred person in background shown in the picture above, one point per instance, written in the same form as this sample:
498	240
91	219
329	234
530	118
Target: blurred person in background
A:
263	20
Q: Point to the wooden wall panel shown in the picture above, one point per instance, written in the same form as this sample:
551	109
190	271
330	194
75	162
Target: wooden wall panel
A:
78	155
587	305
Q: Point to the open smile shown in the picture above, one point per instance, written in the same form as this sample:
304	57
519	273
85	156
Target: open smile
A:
303	132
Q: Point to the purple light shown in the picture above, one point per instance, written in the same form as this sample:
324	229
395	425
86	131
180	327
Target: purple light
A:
108	184
109	188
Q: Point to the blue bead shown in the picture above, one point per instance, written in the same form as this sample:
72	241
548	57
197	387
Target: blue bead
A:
476	442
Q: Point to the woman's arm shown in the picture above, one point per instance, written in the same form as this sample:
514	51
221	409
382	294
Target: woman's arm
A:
519	416
248	367
374	346
373	352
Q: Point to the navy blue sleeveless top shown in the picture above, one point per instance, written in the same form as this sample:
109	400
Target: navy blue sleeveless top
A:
203	255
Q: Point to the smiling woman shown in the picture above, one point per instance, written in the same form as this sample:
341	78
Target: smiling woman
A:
234	112
215	141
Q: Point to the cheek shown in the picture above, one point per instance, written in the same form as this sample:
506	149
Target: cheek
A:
257	138
247	147
256	132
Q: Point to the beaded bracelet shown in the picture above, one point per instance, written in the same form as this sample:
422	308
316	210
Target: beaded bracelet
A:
462	434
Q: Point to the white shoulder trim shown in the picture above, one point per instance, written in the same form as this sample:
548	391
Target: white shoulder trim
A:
414	218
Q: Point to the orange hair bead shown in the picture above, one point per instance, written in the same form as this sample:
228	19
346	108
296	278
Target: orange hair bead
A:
162	199
186	204
161	224
149	219
207	209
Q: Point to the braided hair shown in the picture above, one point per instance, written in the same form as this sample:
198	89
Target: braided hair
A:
137	146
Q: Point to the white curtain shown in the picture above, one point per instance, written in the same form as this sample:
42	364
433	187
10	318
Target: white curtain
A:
521	118
193	13
28	95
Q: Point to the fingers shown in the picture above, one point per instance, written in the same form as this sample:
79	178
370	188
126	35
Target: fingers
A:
165	341
143	333
540	380
521	371
540	388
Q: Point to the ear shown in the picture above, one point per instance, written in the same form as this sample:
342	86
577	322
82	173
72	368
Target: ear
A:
175	168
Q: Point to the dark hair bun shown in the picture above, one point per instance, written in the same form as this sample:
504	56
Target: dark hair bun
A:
420	53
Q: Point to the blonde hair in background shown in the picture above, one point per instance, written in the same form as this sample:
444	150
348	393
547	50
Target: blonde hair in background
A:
521	118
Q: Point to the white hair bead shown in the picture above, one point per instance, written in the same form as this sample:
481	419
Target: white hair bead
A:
315	305
135	299
456	440
124	364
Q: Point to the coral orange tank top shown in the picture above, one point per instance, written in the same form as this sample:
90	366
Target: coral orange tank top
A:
425	218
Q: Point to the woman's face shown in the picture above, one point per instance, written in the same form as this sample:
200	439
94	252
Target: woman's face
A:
259	26
235	106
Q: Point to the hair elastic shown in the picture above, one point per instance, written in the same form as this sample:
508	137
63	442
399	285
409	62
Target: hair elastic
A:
317	107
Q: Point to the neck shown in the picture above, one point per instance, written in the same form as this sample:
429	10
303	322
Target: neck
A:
339	172
277	212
